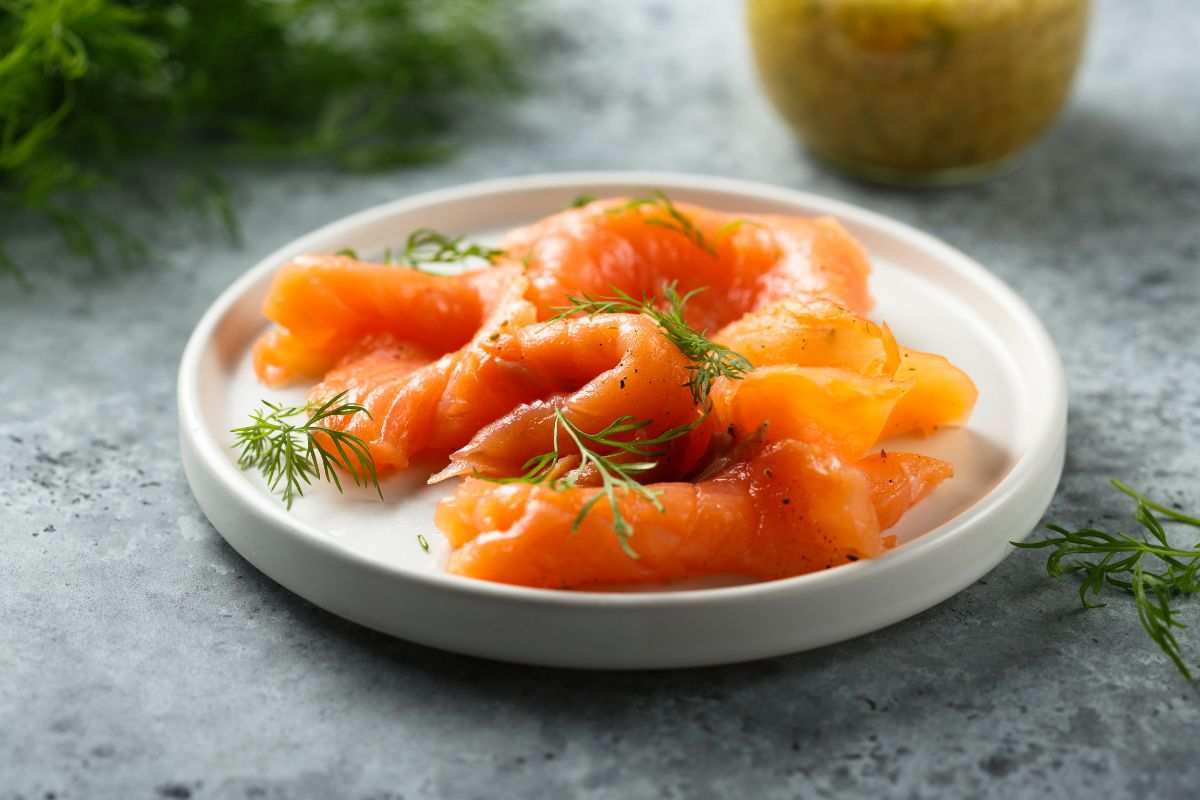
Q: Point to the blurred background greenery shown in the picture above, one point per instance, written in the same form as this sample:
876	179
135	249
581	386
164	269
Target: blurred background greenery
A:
89	89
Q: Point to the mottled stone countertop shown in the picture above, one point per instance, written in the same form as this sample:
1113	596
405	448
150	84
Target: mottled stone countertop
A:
140	657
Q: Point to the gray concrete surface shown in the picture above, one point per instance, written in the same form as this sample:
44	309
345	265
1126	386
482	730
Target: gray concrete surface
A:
141	658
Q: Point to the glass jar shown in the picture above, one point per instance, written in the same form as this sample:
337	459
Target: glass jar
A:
918	91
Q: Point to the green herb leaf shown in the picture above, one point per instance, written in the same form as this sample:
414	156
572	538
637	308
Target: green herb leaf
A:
709	359
582	200
1149	568
288	454
427	246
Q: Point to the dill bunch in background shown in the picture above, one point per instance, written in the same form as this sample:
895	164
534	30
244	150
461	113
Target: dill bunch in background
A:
90	86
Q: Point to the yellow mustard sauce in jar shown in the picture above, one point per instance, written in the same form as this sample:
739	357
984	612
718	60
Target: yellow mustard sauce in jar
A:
918	91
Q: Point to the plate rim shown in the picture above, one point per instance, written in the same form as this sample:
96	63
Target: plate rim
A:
1025	470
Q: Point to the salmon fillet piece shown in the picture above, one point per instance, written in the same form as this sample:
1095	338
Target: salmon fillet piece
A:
746	261
820	333
494	401
594	369
422	405
324	307
901	480
827	375
838	409
791	509
941	395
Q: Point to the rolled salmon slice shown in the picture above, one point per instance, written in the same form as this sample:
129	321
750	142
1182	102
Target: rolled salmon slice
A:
495	401
790	509
414	400
594	369
324	307
743	261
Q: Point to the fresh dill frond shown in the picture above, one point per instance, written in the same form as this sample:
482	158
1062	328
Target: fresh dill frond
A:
709	359
614	467
672	219
1148	568
427	246
289	455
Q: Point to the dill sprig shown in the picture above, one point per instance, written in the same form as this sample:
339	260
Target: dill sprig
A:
427	246
709	359
289	456
673	218
1148	568
612	467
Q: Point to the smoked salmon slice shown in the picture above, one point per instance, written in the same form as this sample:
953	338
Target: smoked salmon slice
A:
838	409
496	398
942	395
594	369
417	406
901	480
791	509
826	374
640	247
324	307
802	333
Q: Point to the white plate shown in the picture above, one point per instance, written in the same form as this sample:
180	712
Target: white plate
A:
360	559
